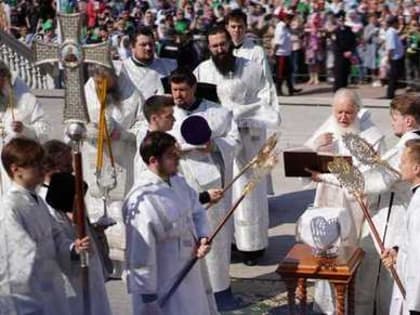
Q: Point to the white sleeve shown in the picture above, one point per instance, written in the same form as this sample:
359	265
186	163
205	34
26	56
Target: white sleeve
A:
379	180
231	140
389	41
16	265
141	249
199	215
63	243
329	179
279	37
37	127
413	258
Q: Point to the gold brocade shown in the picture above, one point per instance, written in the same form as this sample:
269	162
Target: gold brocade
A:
103	132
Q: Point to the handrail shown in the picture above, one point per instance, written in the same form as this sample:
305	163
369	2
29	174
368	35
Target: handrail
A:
16	45
20	59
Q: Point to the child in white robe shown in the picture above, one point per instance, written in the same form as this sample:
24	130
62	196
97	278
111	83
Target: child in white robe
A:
407	255
31	281
58	190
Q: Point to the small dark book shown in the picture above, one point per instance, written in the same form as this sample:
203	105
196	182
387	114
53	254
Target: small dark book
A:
296	160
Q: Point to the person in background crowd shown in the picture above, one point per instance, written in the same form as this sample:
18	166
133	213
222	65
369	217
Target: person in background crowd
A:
413	53
344	42
395	54
314	46
184	24
282	47
371	42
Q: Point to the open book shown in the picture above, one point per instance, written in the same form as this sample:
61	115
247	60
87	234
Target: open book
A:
297	159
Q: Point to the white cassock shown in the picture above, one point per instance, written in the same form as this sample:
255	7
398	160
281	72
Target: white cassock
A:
330	194
374	283
146	79
204	171
74	291
31	281
124	116
408	262
163	221
250	50
247	94
29	111
139	165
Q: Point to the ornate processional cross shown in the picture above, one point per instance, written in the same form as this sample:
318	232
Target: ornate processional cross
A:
72	55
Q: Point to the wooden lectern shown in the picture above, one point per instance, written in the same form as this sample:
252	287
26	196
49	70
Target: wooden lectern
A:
300	264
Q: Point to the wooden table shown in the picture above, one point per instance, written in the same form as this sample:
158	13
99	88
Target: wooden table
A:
300	264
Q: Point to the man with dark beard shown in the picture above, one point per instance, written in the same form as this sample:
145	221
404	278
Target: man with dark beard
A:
243	88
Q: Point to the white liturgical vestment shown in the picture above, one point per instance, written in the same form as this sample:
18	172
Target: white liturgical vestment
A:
246	92
74	290
408	261
329	193
374	283
124	117
26	109
249	50
146	78
163	221
212	170
31	281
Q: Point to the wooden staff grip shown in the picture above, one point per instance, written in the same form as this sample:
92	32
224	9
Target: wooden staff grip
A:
379	243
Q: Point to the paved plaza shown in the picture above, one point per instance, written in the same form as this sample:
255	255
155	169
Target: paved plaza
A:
259	285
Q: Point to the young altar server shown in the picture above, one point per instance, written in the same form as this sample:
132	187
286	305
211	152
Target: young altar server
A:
31	243
58	190
165	227
407	254
159	113
373	282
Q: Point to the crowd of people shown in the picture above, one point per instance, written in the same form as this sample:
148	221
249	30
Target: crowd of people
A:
165	137
180	27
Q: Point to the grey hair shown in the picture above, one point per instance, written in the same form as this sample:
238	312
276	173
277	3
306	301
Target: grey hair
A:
349	94
98	70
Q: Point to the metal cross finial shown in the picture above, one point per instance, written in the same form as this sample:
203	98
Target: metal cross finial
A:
352	180
72	55
364	152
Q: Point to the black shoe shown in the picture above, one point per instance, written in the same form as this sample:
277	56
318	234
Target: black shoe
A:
250	261
227	302
293	91
251	258
233	248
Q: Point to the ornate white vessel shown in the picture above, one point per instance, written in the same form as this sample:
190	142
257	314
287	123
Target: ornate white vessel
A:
323	229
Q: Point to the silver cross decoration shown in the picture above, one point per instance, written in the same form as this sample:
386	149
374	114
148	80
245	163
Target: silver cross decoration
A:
72	55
